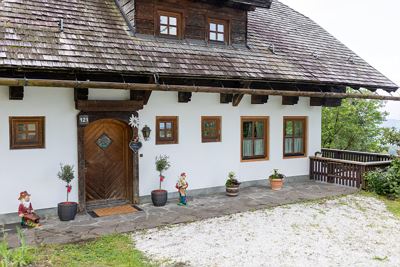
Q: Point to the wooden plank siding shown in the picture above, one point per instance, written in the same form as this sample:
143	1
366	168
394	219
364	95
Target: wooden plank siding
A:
195	16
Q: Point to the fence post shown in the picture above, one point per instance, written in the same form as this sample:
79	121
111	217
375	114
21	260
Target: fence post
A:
311	169
360	179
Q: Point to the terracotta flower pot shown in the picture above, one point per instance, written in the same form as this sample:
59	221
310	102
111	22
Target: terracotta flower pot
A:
232	190
159	197
276	184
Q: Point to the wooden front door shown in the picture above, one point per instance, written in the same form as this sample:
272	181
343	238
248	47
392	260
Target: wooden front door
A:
108	161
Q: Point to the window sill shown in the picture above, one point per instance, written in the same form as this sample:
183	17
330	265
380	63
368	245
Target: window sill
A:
295	157
211	141
168	36
20	147
254	160
167	143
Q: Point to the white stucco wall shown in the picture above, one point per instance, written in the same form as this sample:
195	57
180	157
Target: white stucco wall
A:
36	170
207	164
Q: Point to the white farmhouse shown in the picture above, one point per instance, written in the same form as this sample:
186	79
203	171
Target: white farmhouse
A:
232	86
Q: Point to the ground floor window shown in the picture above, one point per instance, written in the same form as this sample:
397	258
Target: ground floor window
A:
295	131
210	129
166	130
26	132
254	138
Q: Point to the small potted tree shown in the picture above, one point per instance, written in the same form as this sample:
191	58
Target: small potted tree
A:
276	180
67	210
232	185
159	197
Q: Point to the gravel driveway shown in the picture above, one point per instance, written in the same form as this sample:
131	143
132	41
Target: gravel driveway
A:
348	231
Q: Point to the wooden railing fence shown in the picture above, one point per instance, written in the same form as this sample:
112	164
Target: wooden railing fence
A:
354	155
346	168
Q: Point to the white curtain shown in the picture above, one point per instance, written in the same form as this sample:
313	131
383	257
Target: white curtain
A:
247	148
298	145
288	145
259	147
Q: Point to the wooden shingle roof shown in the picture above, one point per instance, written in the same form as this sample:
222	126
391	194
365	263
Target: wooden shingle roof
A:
257	3
283	45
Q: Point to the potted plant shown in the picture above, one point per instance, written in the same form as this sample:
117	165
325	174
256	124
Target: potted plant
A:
67	210
276	180
160	196
232	185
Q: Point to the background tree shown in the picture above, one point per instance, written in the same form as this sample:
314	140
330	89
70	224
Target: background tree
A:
355	125
391	137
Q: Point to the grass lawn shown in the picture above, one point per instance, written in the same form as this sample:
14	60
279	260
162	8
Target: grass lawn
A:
392	205
112	250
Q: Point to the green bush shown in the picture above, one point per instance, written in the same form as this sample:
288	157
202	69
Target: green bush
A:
385	182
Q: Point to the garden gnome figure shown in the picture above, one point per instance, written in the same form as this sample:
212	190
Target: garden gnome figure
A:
26	212
182	185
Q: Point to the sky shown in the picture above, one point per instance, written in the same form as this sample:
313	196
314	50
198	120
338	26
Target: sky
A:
370	28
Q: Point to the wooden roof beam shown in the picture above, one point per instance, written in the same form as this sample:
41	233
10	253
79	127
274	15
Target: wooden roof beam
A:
237	98
16	92
325	102
259	99
184	88
108	105
225	98
140	95
184	97
290	100
81	94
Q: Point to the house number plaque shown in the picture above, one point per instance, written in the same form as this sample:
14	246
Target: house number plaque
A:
83	120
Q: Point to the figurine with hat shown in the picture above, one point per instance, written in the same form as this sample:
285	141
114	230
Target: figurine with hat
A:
26	212
182	186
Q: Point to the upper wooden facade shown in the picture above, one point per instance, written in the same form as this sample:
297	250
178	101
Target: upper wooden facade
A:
193	19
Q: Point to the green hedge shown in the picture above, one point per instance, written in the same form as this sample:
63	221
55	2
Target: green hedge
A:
385	182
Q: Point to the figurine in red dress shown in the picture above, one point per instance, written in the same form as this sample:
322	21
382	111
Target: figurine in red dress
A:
26	212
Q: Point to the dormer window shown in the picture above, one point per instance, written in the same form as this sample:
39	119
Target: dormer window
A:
169	24
218	31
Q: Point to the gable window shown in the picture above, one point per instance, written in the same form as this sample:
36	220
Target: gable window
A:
218	30
166	130
169	24
254	138
210	129
26	132
295	131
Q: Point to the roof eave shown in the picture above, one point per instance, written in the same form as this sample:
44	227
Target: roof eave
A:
40	72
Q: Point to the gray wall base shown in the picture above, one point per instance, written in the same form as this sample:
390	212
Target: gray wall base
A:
221	189
13	217
52	212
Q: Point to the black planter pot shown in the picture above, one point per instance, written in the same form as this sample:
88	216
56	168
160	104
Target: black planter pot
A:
67	211
159	197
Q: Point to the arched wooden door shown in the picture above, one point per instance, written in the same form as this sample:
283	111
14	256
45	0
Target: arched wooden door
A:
108	161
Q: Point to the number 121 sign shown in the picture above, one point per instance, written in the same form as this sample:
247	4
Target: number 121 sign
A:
83	120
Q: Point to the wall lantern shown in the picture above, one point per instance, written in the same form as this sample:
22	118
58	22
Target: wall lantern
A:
146	132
